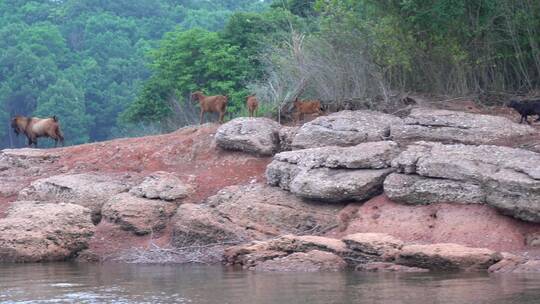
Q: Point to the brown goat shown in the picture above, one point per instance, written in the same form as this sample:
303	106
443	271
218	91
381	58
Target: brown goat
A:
306	107
252	104
216	104
34	127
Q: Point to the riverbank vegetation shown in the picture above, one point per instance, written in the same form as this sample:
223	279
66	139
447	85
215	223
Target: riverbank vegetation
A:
128	67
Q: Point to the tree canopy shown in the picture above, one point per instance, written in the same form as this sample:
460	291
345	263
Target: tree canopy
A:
86	61
103	66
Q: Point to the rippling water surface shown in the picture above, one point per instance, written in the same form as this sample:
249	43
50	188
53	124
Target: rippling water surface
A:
121	283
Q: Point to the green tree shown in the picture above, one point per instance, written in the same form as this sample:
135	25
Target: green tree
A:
188	61
65	101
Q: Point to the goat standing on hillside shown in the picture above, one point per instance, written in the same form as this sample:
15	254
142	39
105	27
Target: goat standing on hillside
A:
526	108
216	104
306	107
34	127
252	104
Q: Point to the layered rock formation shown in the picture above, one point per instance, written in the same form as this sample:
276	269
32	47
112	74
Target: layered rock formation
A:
366	252
457	127
179	192
252	212
334	173
39	232
345	128
88	190
253	135
502	177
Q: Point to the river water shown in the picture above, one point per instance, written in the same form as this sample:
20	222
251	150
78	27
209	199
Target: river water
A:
126	283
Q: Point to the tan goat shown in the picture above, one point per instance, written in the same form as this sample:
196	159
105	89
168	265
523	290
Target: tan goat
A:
34	127
252	105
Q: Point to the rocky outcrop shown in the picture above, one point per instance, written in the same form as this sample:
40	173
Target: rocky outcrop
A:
364	252
508	263
19	166
373	155
419	190
140	215
286	137
26	158
456	127
334	174
195	225
87	189
532	266
37	232
447	257
345	128
311	261
387	267
380	245
502	177
251	212
162	185
253	135
289	253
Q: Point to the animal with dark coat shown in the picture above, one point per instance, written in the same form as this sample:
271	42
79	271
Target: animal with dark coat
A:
34	127
526	108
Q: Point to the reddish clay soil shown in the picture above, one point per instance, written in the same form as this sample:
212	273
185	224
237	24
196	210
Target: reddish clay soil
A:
471	225
192	154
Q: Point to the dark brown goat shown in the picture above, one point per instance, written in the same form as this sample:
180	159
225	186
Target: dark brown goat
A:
216	104
526	108
306	107
252	104
34	127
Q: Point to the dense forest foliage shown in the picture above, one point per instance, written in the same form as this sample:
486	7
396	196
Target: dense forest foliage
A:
117	68
86	60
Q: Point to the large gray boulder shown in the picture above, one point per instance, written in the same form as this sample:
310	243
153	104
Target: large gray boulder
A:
250	212
290	253
162	185
333	185
448	257
286	137
505	178
39	232
333	173
345	128
253	135
419	190
372	155
456	127
87	189
311	261
140	215
26	158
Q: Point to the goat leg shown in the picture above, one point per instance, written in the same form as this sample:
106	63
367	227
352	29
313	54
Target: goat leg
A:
221	114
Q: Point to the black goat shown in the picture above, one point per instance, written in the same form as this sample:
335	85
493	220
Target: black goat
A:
526	108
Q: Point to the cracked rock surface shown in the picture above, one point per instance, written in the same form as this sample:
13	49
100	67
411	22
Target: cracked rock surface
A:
505	178
456	127
333	173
